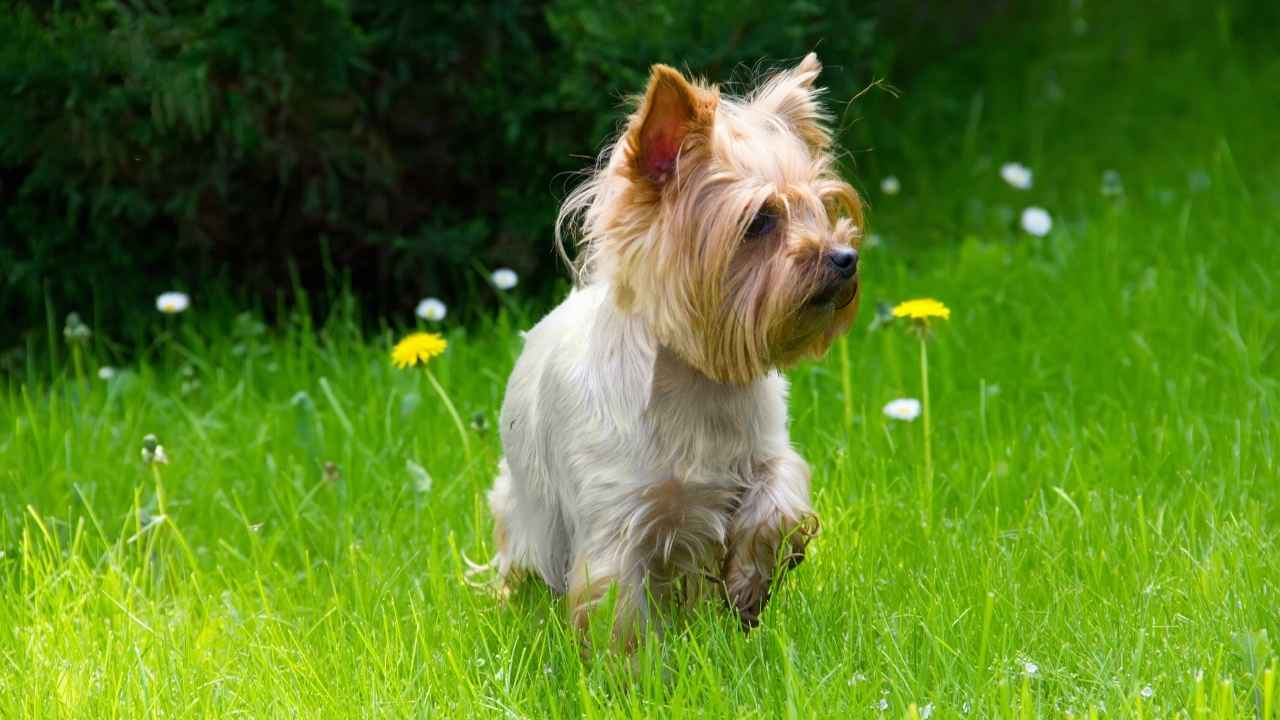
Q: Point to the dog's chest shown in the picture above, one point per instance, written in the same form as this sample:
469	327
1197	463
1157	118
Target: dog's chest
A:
703	434
702	438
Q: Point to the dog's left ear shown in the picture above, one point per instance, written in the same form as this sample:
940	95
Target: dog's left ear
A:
791	94
672	111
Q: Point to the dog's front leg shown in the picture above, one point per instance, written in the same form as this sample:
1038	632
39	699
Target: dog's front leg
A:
594	573
774	510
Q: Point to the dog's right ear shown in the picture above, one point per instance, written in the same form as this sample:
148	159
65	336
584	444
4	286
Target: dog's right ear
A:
672	110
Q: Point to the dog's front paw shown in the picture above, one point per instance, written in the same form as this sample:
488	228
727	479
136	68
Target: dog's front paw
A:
747	593
753	560
797	536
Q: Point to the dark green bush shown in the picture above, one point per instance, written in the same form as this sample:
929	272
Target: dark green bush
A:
398	143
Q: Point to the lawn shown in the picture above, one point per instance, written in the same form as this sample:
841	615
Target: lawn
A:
1102	534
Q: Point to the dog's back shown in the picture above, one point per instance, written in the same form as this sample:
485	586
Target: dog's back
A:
568	397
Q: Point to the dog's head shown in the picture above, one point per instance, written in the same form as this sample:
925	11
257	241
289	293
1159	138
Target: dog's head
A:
723	223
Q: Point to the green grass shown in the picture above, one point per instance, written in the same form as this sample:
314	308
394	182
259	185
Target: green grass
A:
1106	444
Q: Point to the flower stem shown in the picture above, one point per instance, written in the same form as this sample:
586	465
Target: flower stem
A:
928	448
81	385
162	506
453	413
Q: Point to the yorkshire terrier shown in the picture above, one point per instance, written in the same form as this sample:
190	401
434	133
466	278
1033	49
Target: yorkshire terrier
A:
645	423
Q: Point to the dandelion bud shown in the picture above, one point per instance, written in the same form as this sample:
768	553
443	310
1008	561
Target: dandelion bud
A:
75	330
883	316
153	451
332	474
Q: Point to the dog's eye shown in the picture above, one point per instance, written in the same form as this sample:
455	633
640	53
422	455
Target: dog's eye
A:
762	224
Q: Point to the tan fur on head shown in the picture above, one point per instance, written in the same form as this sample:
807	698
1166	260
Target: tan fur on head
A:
664	221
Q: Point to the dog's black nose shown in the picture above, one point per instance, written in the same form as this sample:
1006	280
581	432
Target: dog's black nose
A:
844	260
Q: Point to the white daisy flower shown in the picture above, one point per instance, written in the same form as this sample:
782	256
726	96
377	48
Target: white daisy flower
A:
903	409
890	185
1017	175
1030	668
1036	221
106	372
172	303
504	278
431	309
926	712
1147	692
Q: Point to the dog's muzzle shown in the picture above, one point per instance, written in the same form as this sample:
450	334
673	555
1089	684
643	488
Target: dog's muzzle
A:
840	279
837	292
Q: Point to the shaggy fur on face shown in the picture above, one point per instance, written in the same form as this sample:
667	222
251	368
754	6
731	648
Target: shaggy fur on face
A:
665	222
645	423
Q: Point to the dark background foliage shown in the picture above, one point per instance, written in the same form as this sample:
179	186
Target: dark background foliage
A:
262	146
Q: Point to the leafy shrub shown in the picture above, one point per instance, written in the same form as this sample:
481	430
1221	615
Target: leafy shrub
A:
398	143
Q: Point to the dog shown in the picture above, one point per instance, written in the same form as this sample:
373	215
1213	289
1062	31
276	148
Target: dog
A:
645	423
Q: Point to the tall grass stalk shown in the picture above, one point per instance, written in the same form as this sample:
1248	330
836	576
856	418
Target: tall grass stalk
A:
846	383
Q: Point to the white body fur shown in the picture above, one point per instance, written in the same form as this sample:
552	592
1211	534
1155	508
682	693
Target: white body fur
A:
625	465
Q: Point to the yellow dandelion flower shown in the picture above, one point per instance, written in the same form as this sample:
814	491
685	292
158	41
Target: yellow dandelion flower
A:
922	309
417	349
